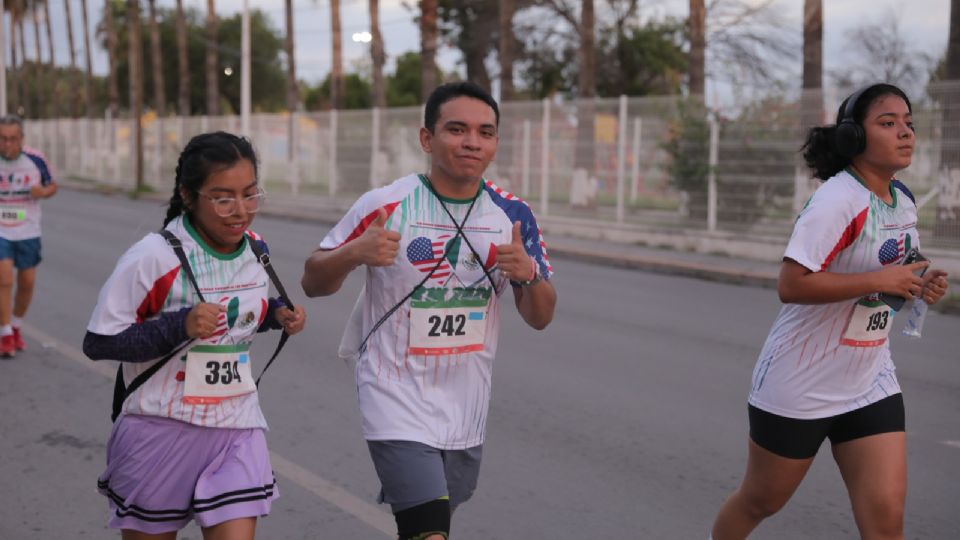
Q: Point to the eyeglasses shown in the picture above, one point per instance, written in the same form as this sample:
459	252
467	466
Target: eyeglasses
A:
227	206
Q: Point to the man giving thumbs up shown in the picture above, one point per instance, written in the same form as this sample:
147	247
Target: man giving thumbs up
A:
440	249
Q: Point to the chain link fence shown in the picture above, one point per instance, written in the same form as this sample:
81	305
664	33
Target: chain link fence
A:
665	162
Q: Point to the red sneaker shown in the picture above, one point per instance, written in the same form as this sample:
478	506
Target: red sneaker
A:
18	339
8	346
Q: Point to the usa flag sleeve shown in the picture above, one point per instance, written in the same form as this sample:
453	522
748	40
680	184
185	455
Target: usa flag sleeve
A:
827	224
46	171
137	288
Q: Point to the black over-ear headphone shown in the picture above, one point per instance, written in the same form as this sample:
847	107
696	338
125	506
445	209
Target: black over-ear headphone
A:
850	138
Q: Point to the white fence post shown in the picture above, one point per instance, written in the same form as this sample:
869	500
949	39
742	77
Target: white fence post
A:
374	147
621	156
295	145
525	159
333	153
712	173
635	165
158	153
100	127
545	160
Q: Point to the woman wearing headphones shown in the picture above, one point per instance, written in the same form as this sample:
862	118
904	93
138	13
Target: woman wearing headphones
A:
825	370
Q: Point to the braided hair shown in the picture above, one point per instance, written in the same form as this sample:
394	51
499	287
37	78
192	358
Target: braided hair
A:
204	155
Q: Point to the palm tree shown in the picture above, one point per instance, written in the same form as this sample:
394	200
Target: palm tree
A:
428	48
698	46
113	85
377	56
337	91
507	8
136	87
35	91
26	71
156	58
88	79
74	95
15	9
293	92
213	73
183	65
811	108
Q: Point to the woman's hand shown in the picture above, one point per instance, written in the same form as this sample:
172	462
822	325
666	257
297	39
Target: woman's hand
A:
934	286
292	321
902	279
203	319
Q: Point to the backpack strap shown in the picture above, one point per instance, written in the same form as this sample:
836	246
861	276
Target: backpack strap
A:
264	259
120	391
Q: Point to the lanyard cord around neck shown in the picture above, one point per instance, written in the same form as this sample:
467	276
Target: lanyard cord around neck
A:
461	233
446	251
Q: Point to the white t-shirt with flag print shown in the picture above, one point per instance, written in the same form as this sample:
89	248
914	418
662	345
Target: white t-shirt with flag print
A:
814	363
19	211
147	281
407	390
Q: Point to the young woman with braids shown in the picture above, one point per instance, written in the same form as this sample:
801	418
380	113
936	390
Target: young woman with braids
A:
825	370
189	442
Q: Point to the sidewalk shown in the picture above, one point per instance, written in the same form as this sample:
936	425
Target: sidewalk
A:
751	262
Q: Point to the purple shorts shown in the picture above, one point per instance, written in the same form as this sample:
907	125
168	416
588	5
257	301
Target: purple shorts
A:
162	472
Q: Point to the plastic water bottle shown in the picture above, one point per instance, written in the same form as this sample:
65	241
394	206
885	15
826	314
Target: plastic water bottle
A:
918	313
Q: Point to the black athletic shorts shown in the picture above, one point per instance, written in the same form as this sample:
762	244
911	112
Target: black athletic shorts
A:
800	439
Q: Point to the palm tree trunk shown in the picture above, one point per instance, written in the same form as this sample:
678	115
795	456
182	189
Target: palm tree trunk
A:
377	57
428	48
136	87
46	24
213	75
811	108
587	88
74	98
337	98
15	86
183	64
52	107
507	8
293	93
156	57
25	71
113	85
88	79
38	80
698	45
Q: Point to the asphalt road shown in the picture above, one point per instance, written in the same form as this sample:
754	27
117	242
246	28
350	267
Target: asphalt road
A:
626	418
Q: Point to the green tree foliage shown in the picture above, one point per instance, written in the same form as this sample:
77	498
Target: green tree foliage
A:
356	94
403	86
269	81
647	59
642	61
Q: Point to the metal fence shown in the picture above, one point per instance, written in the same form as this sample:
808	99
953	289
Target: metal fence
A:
662	161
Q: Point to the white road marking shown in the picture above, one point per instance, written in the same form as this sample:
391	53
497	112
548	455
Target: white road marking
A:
955	444
326	490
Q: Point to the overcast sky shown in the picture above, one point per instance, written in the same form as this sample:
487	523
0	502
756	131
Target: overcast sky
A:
923	22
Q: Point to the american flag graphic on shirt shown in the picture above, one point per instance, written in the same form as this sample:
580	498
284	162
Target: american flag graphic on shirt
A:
424	254
892	250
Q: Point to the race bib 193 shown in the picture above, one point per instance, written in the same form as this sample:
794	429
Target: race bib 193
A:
217	372
869	324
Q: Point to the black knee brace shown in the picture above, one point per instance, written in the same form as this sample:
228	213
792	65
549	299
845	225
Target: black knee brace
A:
423	520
